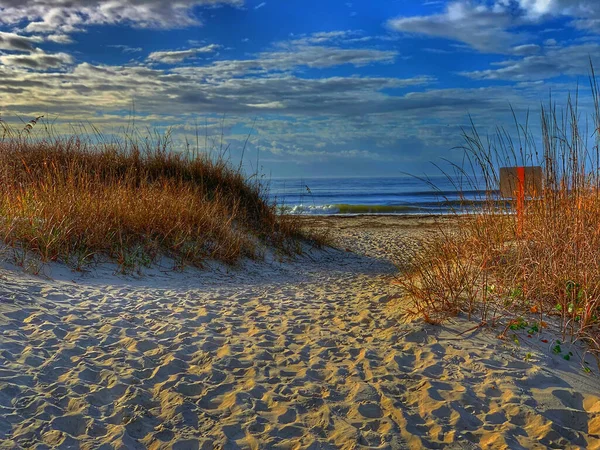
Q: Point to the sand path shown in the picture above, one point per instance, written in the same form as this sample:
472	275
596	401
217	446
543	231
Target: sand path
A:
306	354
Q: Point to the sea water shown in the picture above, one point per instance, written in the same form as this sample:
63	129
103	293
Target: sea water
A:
384	195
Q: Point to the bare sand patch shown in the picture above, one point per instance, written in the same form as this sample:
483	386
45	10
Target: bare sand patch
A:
299	354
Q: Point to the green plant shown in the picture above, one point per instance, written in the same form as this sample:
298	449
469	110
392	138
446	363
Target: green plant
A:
556	349
518	324
515	339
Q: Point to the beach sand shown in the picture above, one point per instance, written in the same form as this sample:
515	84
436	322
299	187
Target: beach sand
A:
283	354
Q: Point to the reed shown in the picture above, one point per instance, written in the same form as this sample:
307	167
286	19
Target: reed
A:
547	274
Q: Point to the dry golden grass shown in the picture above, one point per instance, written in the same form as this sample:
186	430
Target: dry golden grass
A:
550	272
70	200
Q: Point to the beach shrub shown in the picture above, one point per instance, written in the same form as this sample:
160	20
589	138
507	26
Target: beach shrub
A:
75	199
498	268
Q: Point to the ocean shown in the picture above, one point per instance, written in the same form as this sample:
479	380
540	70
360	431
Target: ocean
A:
384	195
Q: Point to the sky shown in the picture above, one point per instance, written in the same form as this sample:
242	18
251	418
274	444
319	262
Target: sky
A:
315	88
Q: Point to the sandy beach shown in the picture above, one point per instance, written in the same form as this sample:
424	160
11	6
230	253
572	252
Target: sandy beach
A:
306	353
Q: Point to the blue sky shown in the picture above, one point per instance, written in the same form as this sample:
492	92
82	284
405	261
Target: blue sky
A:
324	87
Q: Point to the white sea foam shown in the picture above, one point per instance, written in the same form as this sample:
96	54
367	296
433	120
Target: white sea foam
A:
313	209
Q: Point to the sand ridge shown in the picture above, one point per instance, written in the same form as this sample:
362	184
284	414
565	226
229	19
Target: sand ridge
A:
303	354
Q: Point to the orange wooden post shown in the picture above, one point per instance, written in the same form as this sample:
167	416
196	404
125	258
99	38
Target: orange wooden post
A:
518	182
512	185
520	199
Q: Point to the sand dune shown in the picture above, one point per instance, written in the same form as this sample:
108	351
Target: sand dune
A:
303	354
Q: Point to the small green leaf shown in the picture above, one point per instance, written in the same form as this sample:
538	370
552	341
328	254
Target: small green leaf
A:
518	324
556	349
567	357
515	293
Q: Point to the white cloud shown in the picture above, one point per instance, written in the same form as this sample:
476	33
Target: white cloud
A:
328	36
294	54
37	60
270	81
126	48
186	89
15	42
60	38
260	5
327	155
483	27
493	25
287	58
585	14
269	105
53	16
537	8
177	56
553	62
527	49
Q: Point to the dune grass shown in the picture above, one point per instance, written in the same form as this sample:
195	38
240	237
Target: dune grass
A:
77	201
549	273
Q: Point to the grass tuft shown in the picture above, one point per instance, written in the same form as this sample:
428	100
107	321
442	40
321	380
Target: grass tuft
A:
549	272
76	201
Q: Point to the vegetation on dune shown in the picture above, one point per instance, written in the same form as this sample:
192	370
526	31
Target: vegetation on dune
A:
75	200
541	269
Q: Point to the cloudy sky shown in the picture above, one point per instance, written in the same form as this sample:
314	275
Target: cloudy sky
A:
323	87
